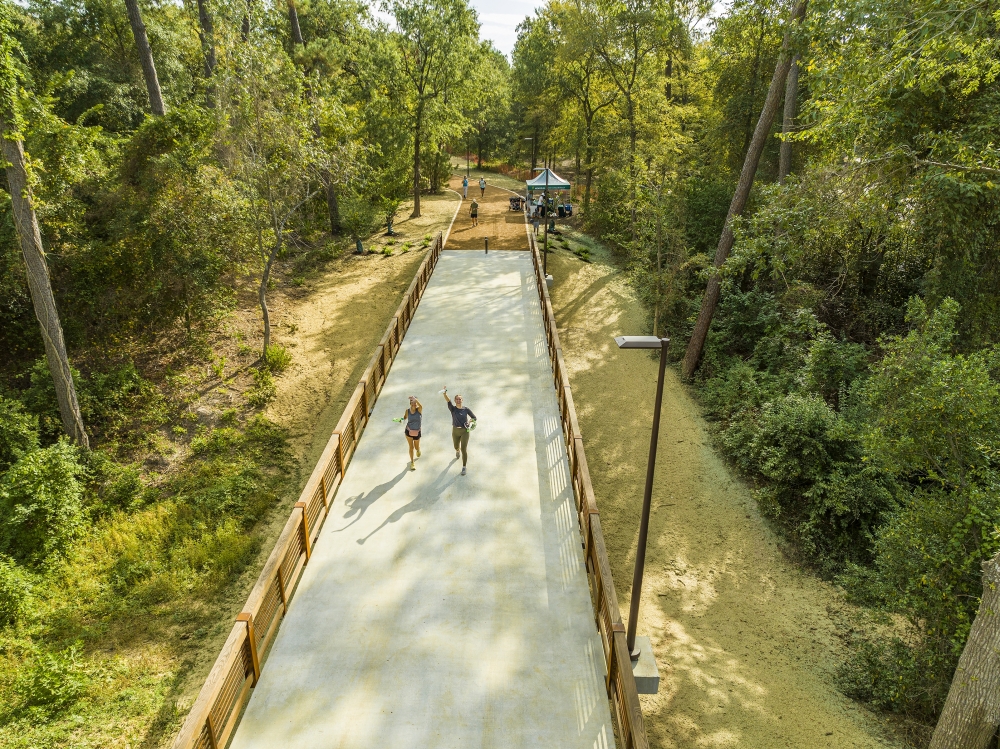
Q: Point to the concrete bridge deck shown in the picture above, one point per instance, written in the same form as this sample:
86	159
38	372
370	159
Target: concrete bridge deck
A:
441	610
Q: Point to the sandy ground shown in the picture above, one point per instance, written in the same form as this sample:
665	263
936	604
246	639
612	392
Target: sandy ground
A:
745	641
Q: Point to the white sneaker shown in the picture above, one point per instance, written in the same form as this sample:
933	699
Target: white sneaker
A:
463	470
418	453
413	466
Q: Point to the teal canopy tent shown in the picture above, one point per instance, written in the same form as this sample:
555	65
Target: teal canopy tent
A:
555	182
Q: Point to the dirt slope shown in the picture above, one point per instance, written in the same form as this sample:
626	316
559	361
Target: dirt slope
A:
745	641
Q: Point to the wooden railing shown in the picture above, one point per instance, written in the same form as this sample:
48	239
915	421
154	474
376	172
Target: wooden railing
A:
216	711
620	681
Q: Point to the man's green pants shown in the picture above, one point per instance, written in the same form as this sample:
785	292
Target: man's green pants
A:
460	436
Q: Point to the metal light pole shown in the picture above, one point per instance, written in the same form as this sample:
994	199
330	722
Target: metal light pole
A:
646	342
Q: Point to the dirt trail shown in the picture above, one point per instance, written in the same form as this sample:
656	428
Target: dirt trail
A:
502	226
745	641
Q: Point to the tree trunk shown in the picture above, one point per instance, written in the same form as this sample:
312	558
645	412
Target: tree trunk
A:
711	299
145	58
972	711
262	294
293	21
632	138
588	155
753	83
207	35
332	204
416	167
534	149
42	298
788	120
670	75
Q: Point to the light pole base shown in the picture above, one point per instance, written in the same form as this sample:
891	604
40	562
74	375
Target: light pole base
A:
549	280
647	675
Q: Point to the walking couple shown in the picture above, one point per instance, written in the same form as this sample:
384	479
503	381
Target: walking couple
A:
463	421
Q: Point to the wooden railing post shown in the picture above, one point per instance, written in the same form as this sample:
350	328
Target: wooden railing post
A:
212	740
245	616
322	489
340	453
281	591
364	399
305	529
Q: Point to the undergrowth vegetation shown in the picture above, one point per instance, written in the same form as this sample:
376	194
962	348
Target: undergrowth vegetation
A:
111	570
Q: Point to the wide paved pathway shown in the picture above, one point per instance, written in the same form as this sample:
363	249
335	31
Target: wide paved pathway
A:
441	610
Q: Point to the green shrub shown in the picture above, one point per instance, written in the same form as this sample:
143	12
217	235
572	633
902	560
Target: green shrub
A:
52	681
808	461
18	432
41	503
111	485
277	358
263	390
934	422
15	591
832	366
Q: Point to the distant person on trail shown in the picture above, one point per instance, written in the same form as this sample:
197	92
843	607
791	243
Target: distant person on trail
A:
412	417
463	421
535	220
482	187
465	187
474	212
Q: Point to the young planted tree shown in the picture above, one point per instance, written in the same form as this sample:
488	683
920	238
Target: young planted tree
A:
711	299
274	159
435	41
156	105
29	235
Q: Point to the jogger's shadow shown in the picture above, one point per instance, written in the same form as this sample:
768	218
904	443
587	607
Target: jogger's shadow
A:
357	505
428	497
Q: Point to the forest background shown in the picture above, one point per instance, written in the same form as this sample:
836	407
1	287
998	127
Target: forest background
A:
176	152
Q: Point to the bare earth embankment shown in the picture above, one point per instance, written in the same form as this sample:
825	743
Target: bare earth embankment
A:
746	642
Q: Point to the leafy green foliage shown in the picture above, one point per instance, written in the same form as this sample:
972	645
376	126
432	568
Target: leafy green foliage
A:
53	681
41	503
277	358
15	591
18	432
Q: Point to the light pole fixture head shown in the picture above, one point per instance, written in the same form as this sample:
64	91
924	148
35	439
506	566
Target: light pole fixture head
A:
640	341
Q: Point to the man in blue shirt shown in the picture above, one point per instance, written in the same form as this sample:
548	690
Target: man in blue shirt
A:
462	422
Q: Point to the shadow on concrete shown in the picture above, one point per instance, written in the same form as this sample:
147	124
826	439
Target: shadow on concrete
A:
357	504
427	498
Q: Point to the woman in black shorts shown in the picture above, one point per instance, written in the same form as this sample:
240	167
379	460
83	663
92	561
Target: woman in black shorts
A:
411	420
